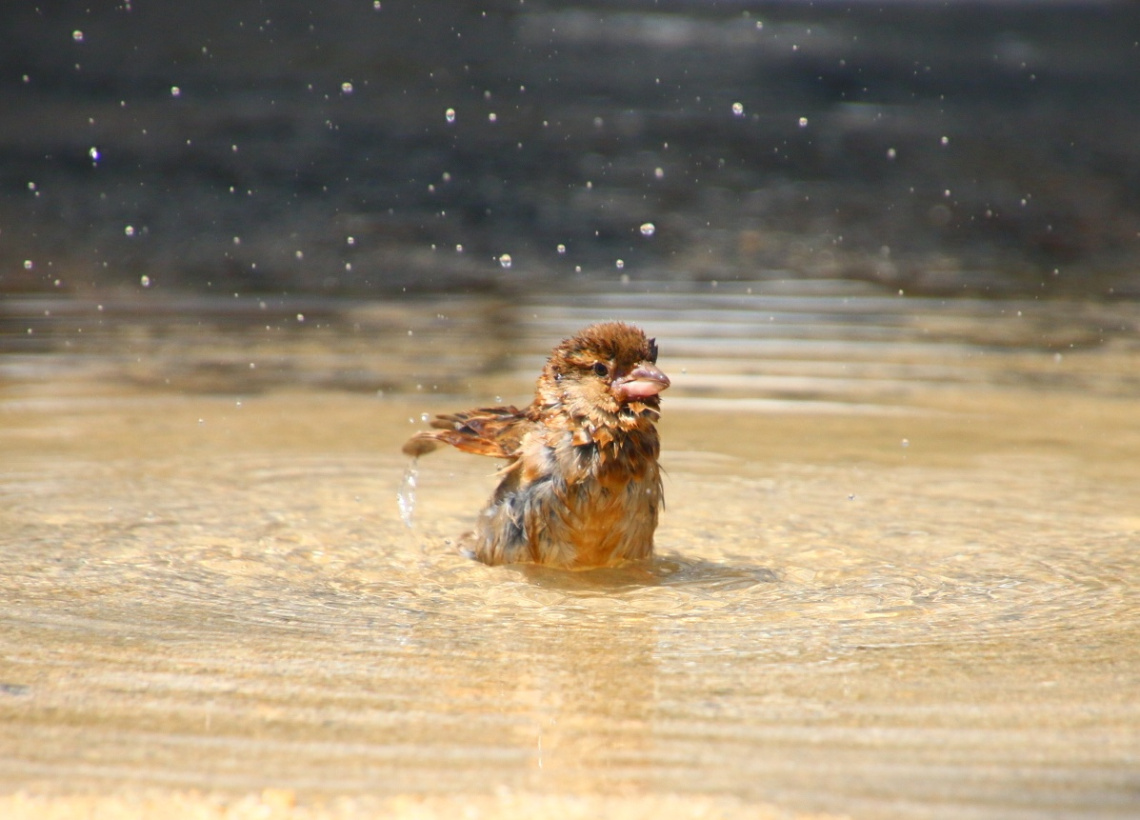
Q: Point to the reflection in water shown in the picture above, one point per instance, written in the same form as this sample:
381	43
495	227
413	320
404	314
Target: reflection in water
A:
893	572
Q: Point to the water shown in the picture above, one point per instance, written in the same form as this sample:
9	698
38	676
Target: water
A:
894	572
406	495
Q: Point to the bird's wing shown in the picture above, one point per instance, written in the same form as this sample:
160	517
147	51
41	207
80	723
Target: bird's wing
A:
488	431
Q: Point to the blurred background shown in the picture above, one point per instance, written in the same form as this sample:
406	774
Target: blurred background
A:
370	147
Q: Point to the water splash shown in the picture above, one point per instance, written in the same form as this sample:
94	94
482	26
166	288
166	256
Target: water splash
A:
406	495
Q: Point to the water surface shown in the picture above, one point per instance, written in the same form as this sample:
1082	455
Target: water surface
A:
894	572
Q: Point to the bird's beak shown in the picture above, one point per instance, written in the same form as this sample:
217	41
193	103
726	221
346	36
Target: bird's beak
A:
643	381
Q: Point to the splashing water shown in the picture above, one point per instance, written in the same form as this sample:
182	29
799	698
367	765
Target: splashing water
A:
406	495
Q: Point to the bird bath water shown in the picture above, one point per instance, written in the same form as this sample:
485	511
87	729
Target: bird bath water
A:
894	572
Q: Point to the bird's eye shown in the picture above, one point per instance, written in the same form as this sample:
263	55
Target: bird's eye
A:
653	350
601	370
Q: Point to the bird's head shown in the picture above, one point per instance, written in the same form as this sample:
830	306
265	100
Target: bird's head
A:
607	371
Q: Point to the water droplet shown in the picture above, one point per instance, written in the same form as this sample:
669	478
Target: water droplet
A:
300	317
29	264
77	36
505	260
144	280
351	240
561	249
905	443
803	122
175	91
891	153
299	254
493	117
449	114
738	109
620	264
129	230
346	88
459	249
406	495
648	229
659	173
945	140
93	152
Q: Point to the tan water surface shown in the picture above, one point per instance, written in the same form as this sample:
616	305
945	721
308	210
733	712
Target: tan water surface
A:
895	575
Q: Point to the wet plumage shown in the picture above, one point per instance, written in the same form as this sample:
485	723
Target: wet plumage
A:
581	486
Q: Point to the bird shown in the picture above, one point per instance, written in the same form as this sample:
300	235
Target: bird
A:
581	487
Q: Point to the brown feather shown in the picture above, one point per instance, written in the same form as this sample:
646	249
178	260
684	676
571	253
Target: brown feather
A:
581	486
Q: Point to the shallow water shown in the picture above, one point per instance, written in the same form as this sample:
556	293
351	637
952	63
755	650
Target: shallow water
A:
894	572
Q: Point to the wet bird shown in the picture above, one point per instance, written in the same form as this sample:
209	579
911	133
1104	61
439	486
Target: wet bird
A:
581	487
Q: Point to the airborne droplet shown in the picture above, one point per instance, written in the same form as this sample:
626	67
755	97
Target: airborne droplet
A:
406	495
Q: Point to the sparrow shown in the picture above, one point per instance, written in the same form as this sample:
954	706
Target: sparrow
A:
581	486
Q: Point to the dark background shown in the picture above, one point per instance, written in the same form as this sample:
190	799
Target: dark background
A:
948	147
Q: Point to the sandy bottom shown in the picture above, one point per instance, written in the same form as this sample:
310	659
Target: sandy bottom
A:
281	804
895	580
